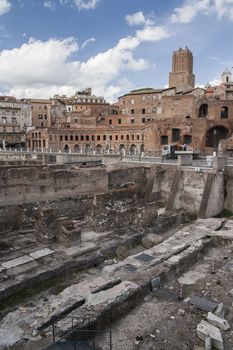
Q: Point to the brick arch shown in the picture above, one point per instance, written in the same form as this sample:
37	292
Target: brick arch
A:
215	134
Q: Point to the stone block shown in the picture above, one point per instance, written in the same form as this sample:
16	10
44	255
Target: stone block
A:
206	330
41	253
220	311
208	343
17	262
217	321
151	240
185	159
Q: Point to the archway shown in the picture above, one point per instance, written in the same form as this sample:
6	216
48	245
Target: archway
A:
215	134
87	148
122	149
76	148
133	149
66	148
98	149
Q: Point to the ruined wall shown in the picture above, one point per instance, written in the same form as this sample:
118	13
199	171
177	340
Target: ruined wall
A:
228	178
42	183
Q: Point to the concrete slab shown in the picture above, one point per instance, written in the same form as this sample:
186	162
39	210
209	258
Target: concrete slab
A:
40	253
17	262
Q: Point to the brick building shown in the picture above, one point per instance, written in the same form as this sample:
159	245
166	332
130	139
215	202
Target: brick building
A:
15	120
144	119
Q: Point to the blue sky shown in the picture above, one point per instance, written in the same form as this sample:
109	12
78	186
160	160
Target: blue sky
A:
113	46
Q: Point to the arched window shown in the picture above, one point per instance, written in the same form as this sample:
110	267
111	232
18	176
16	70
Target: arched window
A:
98	137
110	137
116	137
87	138
203	110
104	137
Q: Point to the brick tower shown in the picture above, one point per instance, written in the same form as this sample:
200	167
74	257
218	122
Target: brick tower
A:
182	76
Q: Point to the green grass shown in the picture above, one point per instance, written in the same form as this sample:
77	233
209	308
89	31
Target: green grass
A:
225	214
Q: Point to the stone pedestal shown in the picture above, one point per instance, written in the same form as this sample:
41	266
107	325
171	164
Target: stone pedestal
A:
185	159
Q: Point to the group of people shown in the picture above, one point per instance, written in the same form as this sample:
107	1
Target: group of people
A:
181	147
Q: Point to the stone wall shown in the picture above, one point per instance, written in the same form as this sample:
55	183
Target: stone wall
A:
228	178
46	183
42	183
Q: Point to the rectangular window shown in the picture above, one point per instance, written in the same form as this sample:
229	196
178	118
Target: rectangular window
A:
132	111
43	143
4	120
164	140
132	121
143	111
175	135
143	120
132	101
110	121
119	121
45	116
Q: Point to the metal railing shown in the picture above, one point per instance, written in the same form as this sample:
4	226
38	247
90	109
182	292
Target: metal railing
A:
67	335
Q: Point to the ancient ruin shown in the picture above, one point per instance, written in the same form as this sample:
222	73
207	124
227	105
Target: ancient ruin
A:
116	255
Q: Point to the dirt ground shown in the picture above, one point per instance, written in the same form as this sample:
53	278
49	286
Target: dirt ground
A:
167	324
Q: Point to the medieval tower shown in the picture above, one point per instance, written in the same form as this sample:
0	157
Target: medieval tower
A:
182	76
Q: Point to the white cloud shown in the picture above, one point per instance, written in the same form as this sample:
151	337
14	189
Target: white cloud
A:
189	10
90	40
192	8
138	18
153	33
42	69
49	4
86	4
5	6
215	82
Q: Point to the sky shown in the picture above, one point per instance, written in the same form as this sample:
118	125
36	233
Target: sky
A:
113	46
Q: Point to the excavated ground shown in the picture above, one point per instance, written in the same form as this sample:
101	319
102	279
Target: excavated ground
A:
199	257
168	324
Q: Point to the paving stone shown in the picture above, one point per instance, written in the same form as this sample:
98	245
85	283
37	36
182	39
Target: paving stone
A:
17	262
40	253
80	250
